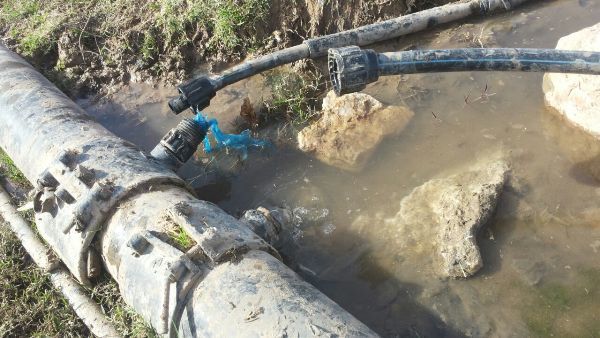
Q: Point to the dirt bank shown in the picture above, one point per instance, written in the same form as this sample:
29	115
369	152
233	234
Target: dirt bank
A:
95	44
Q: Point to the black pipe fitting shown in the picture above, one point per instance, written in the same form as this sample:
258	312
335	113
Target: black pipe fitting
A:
352	68
179	144
196	93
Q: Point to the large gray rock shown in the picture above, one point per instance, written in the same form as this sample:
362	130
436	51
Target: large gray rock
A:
437	224
350	129
574	96
432	239
458	206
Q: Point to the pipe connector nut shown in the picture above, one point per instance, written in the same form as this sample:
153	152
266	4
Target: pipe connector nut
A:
183	140
352	68
196	93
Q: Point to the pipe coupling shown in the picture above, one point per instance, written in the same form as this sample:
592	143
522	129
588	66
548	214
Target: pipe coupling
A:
179	144
197	93
352	68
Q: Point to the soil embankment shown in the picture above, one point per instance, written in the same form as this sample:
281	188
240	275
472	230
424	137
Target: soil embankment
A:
93	45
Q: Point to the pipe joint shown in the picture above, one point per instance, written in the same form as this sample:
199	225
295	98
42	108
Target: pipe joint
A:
196	93
352	68
179	144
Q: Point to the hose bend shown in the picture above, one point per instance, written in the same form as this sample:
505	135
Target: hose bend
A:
351	68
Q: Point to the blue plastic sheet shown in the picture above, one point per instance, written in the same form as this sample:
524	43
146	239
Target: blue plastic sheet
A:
237	142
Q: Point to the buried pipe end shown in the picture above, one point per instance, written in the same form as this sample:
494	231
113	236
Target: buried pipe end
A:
351	69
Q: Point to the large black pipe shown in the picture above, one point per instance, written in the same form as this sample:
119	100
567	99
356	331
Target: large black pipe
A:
99	195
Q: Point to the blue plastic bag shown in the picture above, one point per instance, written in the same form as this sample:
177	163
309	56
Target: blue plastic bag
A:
238	142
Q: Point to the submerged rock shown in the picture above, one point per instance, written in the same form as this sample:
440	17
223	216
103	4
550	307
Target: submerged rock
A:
530	271
350	129
459	206
433	237
437	224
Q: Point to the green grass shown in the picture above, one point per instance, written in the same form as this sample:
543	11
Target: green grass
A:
180	239
157	35
562	310
126	321
294	95
10	171
29	306
229	18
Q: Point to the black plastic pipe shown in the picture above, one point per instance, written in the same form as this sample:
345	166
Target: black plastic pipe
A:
352	68
199	91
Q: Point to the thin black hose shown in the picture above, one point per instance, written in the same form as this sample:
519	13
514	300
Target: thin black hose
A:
363	36
489	59
198	92
352	68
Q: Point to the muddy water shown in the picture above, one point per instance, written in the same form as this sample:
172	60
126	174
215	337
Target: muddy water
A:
542	249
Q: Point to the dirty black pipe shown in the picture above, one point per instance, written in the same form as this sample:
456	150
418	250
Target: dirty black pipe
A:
198	92
98	197
352	68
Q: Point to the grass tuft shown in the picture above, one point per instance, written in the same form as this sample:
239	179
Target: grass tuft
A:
180	239
10	170
29	306
294	95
